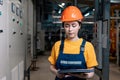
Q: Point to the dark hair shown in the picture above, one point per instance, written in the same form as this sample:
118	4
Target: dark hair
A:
77	21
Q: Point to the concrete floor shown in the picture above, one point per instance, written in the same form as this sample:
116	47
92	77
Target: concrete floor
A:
43	72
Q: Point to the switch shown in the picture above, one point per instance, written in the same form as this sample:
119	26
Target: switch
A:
21	24
17	22
1	31
13	19
21	33
14	32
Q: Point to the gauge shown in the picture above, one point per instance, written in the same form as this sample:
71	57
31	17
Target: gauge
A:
17	11
1	2
20	13
13	7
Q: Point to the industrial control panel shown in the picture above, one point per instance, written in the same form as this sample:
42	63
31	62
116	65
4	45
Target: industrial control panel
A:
12	40
3	39
16	38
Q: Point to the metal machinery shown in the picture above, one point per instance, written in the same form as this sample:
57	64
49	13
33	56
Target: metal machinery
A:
28	24
16	31
118	44
39	31
114	33
101	37
12	41
106	34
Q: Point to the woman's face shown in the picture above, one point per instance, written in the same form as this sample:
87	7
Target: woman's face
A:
71	29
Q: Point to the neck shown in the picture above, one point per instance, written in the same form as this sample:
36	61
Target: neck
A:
73	39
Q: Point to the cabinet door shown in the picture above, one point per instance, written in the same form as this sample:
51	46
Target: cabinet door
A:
3	39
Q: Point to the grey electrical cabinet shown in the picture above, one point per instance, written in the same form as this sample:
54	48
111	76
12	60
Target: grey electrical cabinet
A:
13	39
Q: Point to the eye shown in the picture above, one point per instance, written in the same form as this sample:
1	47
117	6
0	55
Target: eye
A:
66	25
74	25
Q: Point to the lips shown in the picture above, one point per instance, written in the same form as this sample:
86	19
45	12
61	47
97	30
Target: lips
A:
70	33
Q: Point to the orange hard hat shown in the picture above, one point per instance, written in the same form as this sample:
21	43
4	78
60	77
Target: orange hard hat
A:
71	13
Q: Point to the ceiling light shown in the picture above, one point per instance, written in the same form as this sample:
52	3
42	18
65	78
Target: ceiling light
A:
61	5
59	11
87	14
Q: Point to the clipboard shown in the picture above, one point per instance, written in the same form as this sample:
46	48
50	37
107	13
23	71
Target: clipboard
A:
65	71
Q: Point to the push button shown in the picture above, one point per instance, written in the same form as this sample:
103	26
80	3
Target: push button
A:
1	31
13	20
17	22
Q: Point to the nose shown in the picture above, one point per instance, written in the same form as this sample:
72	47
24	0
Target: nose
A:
70	28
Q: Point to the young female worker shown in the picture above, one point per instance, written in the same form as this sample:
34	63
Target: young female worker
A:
72	52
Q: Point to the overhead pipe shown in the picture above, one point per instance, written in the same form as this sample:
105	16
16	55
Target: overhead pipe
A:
75	3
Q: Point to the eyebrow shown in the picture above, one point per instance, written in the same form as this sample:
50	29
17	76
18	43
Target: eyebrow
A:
66	24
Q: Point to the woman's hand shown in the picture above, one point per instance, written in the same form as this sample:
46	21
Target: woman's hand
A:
83	75
55	71
60	75
80	75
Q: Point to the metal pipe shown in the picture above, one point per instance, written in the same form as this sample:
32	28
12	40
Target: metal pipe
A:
75	2
114	17
114	1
